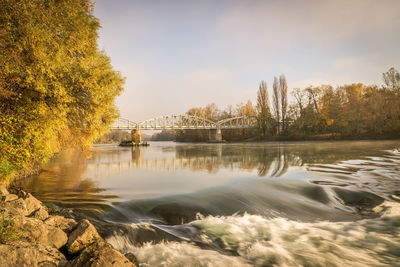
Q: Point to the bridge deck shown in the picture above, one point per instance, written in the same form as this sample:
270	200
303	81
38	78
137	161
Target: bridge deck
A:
186	122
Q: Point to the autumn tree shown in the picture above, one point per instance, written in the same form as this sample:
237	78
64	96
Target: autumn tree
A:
283	90
57	88
263	111
391	79
246	109
276	103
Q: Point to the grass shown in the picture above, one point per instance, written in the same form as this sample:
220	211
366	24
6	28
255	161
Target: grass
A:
9	230
7	172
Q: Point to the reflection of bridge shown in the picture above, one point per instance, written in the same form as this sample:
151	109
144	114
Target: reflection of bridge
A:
273	161
186	122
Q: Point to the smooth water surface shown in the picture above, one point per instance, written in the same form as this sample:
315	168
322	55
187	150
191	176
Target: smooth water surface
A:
241	204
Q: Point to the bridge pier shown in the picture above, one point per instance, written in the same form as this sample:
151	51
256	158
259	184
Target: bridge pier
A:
136	136
215	135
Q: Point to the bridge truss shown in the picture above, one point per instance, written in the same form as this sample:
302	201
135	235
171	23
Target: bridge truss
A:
183	122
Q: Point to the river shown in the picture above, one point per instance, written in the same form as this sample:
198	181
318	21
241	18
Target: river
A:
240	204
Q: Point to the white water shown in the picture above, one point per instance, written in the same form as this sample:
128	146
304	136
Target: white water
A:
259	241
305	203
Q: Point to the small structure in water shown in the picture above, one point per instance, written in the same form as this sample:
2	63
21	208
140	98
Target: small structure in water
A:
136	136
130	143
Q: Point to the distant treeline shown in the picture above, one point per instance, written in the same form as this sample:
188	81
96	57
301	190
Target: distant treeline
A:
114	136
57	88
164	135
354	111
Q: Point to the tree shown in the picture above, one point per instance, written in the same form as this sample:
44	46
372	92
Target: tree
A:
246	109
57	89
211	112
276	103
391	79
299	96
263	111
284	99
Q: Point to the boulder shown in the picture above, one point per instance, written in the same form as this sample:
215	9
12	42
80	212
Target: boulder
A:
15	208
82	236
62	223
33	204
29	206
99	255
40	233
25	254
9	197
3	190
132	258
40	214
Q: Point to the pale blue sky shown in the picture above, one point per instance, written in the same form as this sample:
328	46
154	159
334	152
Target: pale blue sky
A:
180	54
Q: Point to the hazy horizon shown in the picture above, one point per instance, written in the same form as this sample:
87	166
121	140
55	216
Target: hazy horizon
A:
181	54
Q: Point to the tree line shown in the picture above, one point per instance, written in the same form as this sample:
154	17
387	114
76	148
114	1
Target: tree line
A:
57	88
353	111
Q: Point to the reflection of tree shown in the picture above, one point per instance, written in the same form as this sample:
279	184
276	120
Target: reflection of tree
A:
62	180
136	154
70	177
272	159
243	156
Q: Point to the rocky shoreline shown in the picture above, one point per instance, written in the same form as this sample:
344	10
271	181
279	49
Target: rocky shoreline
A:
30	236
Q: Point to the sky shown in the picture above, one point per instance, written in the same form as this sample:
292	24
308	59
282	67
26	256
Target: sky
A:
181	54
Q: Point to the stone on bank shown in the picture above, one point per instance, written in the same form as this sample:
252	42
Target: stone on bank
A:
32	237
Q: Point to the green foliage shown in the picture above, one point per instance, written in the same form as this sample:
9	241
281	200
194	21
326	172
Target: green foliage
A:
6	169
9	230
57	88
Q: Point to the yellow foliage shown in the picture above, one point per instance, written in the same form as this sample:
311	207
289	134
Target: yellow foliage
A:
54	77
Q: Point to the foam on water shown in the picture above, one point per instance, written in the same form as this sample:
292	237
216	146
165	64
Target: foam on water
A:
252	240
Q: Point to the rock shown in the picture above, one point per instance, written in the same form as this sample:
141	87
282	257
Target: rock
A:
3	190
26	254
82	236
38	232
16	207
40	213
32	204
396	197
9	197
130	256
29	206
100	255
64	224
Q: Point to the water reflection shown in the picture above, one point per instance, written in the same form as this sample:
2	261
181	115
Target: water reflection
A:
158	196
268	159
113	173
65	176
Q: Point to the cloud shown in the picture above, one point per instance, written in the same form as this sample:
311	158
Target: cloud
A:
180	54
366	69
286	23
147	96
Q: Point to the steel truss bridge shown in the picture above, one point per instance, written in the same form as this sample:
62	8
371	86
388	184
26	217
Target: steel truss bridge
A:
184	122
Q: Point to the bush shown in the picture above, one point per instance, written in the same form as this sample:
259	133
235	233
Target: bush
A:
6	169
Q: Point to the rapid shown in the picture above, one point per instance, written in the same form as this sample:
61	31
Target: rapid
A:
242	204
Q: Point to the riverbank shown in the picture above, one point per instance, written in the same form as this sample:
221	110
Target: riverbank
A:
294	138
30	236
